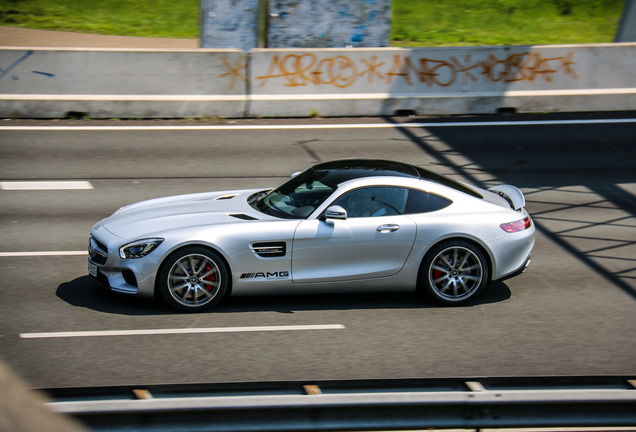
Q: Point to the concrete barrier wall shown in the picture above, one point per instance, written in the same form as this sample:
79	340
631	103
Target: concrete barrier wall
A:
332	82
327	82
122	83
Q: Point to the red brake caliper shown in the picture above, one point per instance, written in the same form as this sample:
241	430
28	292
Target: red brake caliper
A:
437	273
209	278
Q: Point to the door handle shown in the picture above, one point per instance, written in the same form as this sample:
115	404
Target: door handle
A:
387	228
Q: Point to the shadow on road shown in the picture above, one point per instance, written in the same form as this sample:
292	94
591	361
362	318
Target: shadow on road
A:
85	293
591	165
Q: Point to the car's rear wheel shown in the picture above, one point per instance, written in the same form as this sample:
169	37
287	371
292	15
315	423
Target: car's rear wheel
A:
193	279
454	272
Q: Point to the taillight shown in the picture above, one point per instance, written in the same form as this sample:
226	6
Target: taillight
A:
516	226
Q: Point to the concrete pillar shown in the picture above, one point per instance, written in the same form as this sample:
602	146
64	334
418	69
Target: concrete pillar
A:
627	27
328	23
229	24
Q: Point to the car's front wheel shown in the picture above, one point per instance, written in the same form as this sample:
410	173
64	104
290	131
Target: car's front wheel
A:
454	272
193	279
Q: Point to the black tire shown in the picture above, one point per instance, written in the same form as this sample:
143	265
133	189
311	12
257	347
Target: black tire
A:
193	279
453	272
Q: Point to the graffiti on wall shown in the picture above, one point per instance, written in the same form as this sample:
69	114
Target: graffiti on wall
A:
235	71
341	71
29	53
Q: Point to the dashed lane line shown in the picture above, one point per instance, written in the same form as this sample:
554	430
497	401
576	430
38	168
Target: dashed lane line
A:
45	185
50	335
43	253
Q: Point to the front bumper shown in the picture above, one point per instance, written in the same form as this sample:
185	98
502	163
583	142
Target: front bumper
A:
127	276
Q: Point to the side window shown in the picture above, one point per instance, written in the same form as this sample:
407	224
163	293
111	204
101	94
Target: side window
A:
422	202
373	201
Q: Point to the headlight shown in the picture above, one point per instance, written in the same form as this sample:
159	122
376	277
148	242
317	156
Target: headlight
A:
139	248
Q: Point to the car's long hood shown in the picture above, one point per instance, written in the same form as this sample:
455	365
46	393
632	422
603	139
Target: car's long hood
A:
159	215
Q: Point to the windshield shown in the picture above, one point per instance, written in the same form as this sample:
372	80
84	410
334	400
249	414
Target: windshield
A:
295	199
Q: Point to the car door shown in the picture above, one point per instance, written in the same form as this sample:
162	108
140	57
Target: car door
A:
373	242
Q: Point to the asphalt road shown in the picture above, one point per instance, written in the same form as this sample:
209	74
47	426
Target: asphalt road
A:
572	313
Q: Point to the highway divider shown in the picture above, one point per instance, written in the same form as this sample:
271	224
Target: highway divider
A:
365	405
107	83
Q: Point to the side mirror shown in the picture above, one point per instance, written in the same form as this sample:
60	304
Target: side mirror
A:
336	212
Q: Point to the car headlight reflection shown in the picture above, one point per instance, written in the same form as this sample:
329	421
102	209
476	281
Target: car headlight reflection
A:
139	248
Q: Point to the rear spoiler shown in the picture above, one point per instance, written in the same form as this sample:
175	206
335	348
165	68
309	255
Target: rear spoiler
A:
511	194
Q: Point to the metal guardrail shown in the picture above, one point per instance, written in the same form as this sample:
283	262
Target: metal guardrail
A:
473	403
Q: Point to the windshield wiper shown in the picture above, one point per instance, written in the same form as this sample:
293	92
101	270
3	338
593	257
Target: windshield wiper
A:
257	197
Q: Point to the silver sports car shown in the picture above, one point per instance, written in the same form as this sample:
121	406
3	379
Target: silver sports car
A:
341	226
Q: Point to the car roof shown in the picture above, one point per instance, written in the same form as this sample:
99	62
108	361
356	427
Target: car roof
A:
341	171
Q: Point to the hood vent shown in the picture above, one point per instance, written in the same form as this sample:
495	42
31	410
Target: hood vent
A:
242	216
225	197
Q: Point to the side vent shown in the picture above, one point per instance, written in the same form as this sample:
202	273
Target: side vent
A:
225	197
270	249
242	216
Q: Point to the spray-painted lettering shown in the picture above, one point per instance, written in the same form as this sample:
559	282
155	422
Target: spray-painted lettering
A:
294	70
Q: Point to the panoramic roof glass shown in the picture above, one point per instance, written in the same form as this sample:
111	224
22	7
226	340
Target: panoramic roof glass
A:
338	172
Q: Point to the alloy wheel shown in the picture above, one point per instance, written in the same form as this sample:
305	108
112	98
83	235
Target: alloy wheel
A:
194	280
455	273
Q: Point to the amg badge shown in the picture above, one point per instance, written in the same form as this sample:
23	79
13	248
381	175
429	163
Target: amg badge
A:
281	275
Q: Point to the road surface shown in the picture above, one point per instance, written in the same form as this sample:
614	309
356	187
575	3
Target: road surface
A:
572	313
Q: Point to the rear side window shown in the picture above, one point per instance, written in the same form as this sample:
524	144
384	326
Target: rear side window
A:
423	202
448	182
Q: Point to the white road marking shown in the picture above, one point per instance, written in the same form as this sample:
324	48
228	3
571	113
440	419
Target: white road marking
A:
45	185
313	97
47	253
560	429
317	126
179	331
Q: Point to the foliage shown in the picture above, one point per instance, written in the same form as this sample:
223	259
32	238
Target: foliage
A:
414	22
504	22
156	18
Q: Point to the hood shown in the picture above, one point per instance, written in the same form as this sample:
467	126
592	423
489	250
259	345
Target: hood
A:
158	215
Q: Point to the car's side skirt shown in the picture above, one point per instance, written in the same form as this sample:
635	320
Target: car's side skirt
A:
396	283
